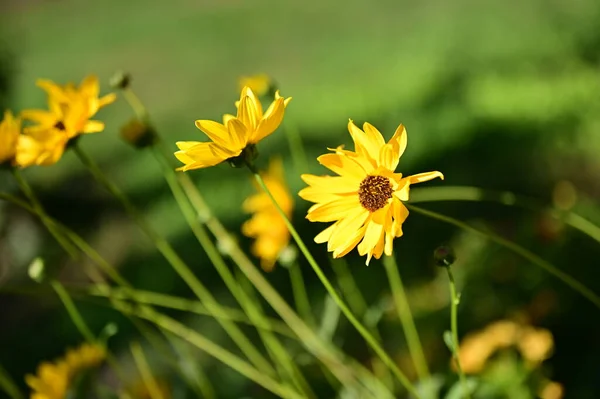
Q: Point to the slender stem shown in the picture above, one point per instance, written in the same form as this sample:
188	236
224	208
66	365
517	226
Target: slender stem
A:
142	365
212	349
136	103
28	191
9	386
329	356
72	311
177	263
338	300
525	253
250	306
300	295
406	318
296	147
454	301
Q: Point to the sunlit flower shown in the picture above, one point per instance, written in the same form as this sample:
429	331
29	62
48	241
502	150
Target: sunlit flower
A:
266	224
365	199
235	134
10	129
70	108
259	84
534	344
53	380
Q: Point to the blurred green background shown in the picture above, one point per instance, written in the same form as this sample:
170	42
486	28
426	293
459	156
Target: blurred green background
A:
495	94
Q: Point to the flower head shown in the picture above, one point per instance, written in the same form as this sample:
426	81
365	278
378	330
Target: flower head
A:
259	84
235	134
53	380
365	199
69	111
10	130
266	224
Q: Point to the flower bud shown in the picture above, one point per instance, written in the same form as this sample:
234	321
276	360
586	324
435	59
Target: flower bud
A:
444	256
138	133
120	80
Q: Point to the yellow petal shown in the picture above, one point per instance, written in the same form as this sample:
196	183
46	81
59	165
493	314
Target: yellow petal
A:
215	131
53	90
331	184
347	228
373	234
42	117
399	213
343	166
93	127
331	211
106	100
422	177
325	234
238	134
270	121
202	155
398	143
247	113
90	86
350	243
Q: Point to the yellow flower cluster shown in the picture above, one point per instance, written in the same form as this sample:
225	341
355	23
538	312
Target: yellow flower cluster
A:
53	380
364	200
534	344
68	115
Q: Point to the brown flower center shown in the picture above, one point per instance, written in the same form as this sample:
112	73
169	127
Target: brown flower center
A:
374	191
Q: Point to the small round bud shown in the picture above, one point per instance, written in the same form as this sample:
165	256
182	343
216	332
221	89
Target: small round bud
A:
444	256
138	133
120	80
36	270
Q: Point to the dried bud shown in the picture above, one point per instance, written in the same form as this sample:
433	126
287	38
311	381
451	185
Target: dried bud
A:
120	80
138	133
444	256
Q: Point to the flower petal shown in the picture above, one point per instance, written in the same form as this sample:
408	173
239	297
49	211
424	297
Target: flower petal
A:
92	126
398	142
343	166
238	134
325	234
215	131
334	210
270	121
201	155
422	177
346	229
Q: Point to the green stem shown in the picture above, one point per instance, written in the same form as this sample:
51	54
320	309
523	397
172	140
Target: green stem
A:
296	147
212	349
349	315
406	318
300	295
9	386
250	306
72	311
177	263
142	365
28	191
525	253
454	301
330	357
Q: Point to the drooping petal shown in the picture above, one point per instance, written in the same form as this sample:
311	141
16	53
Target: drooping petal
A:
347	227
400	213
201	155
106	100
93	127
350	243
398	142
324	235
373	234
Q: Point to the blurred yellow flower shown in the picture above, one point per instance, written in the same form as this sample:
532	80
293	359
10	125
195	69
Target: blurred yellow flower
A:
259	84
236	133
68	116
10	129
70	108
535	345
365	200
141	391
266	224
53	379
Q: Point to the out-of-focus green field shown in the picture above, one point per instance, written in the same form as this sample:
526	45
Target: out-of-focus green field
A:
499	95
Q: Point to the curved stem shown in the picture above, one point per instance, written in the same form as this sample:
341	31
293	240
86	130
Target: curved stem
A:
406	318
454	301
9	386
177	263
74	314
525	253
338	300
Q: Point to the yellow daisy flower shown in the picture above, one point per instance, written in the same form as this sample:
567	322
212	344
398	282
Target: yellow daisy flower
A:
259	84
235	134
10	129
70	108
266	224
53	380
365	199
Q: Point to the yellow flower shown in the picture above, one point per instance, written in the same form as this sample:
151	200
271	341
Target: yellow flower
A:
266	224
10	129
70	108
535	345
69	111
53	379
236	133
259	84
365	200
